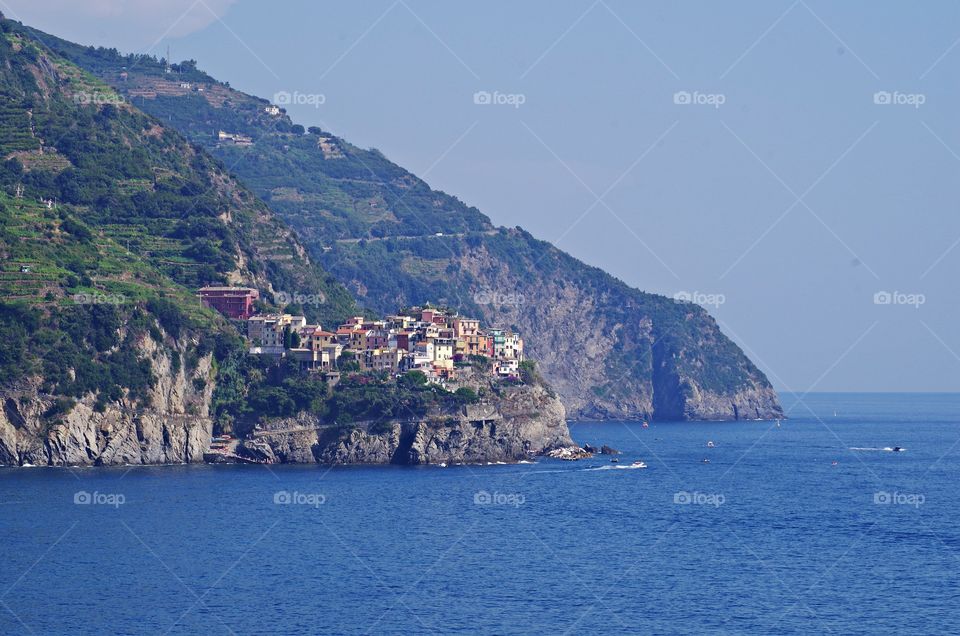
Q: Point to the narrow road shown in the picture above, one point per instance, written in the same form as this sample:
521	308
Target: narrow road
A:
383	238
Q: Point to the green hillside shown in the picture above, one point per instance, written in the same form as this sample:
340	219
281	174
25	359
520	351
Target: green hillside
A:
109	221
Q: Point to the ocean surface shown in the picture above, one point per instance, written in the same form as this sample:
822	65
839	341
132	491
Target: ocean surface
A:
786	530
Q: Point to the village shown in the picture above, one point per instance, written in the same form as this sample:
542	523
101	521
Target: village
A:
426	339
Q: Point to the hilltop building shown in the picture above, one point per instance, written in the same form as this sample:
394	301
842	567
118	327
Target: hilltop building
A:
233	302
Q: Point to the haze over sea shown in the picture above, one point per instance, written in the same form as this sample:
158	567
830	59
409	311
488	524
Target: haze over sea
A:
770	536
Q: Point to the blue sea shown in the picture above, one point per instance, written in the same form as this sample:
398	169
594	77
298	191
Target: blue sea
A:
785	530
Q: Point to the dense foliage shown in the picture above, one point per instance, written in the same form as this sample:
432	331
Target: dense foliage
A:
250	388
77	350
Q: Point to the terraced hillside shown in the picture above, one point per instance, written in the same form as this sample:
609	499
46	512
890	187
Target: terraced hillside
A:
109	221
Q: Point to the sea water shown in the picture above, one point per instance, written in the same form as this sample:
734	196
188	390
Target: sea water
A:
783	529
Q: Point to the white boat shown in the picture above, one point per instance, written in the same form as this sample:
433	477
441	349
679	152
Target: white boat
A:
638	464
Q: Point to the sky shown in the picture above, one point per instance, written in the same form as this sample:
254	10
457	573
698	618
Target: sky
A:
789	164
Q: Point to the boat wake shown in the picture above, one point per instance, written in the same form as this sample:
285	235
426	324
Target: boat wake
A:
591	469
885	449
615	467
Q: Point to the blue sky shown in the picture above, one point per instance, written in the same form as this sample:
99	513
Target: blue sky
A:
790	159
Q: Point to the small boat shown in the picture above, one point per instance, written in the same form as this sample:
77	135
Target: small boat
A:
614	461
645	425
705	461
710	444
897	449
638	464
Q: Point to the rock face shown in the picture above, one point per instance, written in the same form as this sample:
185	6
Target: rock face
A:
523	421
173	425
175	428
613	352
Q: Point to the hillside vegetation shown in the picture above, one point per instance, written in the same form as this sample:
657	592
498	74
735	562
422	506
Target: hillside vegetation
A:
109	221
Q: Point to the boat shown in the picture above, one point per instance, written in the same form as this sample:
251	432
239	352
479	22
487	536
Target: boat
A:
706	461
638	464
645	425
614	461
710	444
897	449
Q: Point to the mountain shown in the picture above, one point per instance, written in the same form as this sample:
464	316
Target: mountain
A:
109	221
610	350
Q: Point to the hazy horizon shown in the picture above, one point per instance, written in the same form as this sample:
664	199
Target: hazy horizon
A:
788	164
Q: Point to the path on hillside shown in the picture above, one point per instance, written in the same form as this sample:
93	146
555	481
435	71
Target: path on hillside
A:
441	235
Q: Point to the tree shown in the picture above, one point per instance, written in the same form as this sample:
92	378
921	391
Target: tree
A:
466	394
348	362
272	401
413	379
297	129
314	130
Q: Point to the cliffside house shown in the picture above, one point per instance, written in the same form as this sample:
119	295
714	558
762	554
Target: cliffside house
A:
427	340
233	302
235	138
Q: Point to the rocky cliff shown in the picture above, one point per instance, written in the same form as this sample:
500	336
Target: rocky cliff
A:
172	426
612	352
521	422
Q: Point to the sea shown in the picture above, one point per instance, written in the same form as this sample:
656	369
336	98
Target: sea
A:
815	524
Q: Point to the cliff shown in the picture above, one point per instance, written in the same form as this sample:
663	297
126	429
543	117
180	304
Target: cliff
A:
518	423
172	426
